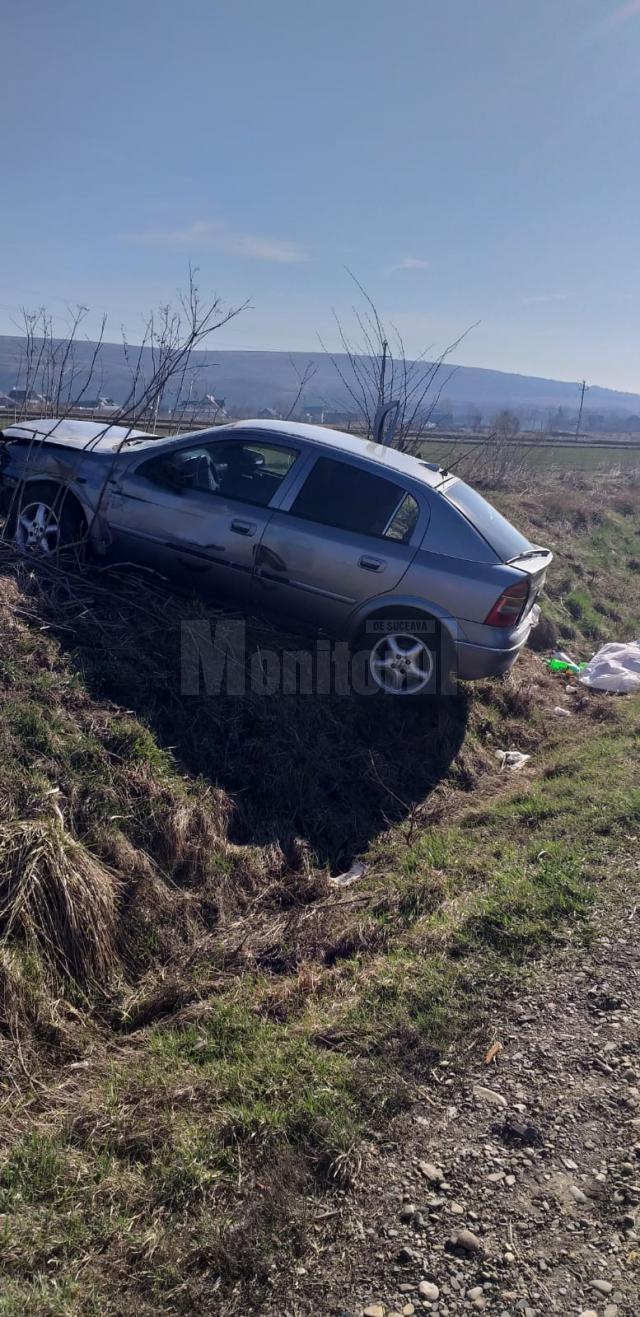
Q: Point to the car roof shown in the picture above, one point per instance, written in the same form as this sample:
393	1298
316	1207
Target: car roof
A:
352	445
73	434
100	437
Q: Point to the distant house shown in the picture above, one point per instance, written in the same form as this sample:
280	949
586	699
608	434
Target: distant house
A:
214	404
21	396
269	414
208	405
97	404
329	416
441	418
315	414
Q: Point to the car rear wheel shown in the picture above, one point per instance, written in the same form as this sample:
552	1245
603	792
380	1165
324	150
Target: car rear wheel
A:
46	521
401	664
402	659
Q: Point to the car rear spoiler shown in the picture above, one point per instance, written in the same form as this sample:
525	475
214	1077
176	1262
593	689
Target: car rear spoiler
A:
528	556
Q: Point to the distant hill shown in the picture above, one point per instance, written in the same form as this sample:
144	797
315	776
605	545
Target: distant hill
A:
252	381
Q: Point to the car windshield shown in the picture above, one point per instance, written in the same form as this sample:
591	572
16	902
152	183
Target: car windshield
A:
504	539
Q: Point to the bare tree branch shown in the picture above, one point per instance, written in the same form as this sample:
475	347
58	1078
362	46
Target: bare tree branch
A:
415	383
170	337
304	377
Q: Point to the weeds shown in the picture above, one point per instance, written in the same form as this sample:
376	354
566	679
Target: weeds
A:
196	1028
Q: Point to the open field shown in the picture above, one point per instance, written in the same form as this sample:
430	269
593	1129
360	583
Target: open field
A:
540	455
543	457
198	1030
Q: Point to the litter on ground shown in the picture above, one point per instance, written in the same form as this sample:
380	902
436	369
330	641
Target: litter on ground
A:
357	870
615	668
561	712
512	759
561	663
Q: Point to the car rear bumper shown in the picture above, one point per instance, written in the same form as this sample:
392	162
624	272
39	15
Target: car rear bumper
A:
477	661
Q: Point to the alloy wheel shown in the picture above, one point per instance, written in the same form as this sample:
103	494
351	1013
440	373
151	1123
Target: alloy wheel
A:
401	664
38	530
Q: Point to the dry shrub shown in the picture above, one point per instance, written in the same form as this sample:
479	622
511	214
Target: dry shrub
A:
520	697
159	923
58	899
15	1005
499	463
189	832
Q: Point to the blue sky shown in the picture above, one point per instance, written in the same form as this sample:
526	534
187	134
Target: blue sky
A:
468	159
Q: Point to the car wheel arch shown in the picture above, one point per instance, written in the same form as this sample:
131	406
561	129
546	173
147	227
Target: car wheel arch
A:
58	491
403	608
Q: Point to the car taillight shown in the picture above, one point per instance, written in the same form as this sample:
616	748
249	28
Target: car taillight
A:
509	607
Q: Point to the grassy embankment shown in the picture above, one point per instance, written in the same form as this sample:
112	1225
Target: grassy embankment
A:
196	1027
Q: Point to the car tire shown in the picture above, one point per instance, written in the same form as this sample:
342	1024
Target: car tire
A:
405	660
47	521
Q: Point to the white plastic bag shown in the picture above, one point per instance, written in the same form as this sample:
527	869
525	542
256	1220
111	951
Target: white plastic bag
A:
614	668
357	870
511	758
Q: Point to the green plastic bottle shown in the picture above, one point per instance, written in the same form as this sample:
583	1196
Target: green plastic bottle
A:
559	665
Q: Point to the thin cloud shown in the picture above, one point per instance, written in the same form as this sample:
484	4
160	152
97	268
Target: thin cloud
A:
408	263
215	234
621	15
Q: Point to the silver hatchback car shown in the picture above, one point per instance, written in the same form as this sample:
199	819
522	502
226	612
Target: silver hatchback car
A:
401	558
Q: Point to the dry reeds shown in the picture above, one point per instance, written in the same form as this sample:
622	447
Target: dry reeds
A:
58	899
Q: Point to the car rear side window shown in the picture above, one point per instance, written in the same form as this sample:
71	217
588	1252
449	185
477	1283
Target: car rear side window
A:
505	540
345	496
403	521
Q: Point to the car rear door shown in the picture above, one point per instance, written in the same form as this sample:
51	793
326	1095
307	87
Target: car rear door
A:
197	513
342	535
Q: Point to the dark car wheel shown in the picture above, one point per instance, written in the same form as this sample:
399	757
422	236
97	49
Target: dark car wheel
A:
46	521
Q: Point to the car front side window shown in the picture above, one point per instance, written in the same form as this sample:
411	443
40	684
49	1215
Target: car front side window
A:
250	472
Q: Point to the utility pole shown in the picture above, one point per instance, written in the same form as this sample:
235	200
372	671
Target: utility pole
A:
582	393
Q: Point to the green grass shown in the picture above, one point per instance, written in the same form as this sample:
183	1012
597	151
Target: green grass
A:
245	1085
591	596
561	457
259	1024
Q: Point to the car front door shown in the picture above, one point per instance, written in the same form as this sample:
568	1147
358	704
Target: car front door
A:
197	513
346	535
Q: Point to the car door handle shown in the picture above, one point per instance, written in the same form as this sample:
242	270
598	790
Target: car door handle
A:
244	527
371	564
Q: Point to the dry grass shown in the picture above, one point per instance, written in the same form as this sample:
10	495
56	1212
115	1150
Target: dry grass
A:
195	1025
58	900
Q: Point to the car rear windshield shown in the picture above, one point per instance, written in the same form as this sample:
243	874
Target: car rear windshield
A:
504	539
